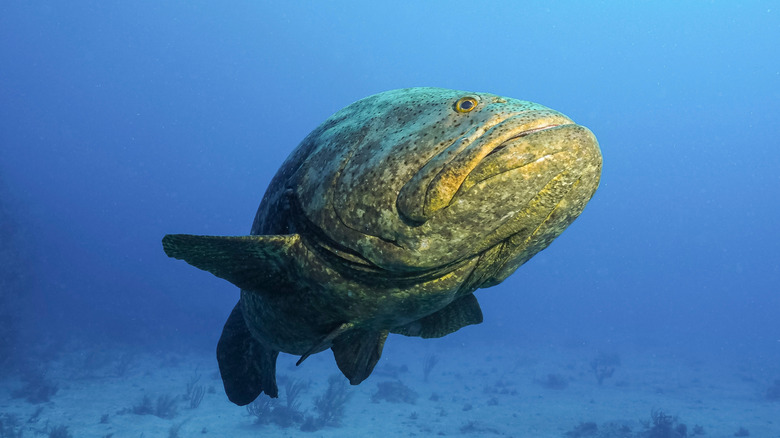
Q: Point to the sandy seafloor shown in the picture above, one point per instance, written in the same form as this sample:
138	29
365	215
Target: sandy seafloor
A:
484	389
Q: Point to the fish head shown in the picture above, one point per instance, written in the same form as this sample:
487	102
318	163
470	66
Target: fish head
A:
419	179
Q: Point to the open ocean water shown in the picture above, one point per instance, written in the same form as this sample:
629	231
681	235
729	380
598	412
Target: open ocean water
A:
656	314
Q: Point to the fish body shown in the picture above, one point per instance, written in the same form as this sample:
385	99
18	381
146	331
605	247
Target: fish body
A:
385	219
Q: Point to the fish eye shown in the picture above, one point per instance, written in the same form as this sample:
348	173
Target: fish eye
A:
466	104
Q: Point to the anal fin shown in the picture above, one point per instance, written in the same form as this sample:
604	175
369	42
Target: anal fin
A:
357	352
456	315
247	367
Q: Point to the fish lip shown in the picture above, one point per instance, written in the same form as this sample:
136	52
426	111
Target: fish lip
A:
470	180
524	133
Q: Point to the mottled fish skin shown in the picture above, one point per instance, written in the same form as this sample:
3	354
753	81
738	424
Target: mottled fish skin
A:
398	207
349	183
379	176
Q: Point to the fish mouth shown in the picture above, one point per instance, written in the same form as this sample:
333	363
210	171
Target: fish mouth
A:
435	185
528	188
513	153
520	135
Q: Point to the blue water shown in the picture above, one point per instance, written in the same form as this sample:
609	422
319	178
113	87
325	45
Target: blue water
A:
123	121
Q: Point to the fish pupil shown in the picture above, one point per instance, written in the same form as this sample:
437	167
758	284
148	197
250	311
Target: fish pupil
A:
466	105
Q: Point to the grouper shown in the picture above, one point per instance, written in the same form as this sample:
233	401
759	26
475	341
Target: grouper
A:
385	219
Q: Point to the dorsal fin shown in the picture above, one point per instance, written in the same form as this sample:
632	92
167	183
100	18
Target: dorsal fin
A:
246	366
250	262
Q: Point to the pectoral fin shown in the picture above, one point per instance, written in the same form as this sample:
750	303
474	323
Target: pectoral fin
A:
249	262
357	352
458	314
